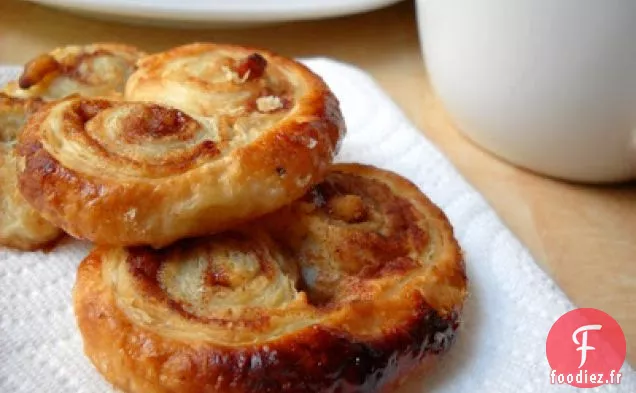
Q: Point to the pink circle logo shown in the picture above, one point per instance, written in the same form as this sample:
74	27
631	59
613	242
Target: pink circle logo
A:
586	348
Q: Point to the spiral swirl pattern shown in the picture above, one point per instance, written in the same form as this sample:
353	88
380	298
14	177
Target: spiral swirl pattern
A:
348	289
207	136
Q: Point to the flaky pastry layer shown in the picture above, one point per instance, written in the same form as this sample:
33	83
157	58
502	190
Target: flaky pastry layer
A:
348	289
207	136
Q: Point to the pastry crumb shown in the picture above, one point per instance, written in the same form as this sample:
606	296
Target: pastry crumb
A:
303	181
349	208
233	76
268	104
130	214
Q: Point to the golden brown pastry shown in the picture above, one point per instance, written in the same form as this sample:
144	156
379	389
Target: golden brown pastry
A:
93	70
349	289
251	132
21	227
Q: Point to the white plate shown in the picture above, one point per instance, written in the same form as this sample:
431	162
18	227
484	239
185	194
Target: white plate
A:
215	12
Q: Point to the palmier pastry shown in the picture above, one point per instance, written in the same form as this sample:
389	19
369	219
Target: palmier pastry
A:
21	227
96	70
232	134
99	69
349	289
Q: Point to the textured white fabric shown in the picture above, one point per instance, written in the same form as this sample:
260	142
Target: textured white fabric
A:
501	347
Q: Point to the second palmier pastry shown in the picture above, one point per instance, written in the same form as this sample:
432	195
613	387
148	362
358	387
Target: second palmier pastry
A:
97	69
233	133
21	227
350	289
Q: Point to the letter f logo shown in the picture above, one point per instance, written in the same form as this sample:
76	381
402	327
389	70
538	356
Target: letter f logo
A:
583	344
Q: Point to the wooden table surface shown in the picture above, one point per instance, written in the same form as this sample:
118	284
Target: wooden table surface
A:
584	237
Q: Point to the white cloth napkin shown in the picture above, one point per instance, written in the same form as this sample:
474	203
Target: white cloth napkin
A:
500	349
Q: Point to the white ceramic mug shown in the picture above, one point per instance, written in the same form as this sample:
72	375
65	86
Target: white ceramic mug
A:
549	85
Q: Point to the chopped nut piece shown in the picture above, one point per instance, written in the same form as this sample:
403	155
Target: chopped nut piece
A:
252	67
37	69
